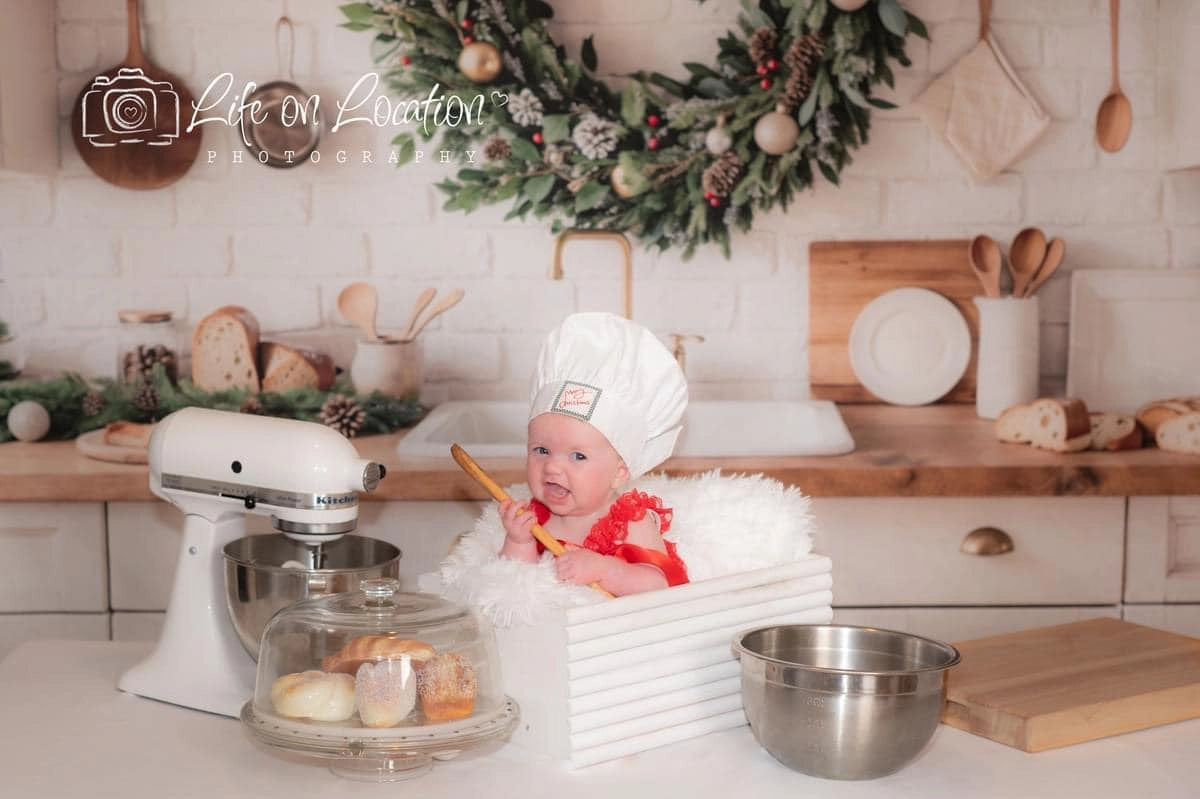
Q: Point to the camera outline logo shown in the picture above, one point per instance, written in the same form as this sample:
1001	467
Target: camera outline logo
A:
130	108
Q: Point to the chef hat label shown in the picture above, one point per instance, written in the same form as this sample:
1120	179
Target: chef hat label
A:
576	399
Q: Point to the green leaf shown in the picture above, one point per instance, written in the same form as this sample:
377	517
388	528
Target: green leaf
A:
555	127
461	9
358	12
893	17
537	188
917	26
809	106
406	147
357	26
588	53
755	16
633	104
816	15
525	150
880	103
591	195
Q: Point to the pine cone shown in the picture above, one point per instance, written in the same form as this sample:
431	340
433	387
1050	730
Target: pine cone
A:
93	403
254	406
138	363
762	45
497	148
145	397
722	175
799	60
343	414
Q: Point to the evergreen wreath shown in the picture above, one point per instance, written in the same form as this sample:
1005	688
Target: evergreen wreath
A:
672	163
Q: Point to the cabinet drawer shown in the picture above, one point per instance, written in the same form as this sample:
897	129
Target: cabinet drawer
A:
963	624
54	557
1066	551
17	628
1163	563
137	626
1182	619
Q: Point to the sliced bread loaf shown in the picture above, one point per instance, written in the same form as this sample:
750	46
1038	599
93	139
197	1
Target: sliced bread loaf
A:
1180	433
1015	425
1115	431
1153	414
285	367
225	350
1061	425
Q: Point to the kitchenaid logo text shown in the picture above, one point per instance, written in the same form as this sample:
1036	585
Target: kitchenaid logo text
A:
361	105
343	499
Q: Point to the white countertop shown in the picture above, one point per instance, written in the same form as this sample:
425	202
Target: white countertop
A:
68	732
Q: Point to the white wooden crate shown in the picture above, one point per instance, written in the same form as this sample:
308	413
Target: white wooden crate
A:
606	680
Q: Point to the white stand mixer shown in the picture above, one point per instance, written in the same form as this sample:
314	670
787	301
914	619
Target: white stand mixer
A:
218	466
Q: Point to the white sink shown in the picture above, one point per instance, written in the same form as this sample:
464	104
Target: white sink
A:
716	428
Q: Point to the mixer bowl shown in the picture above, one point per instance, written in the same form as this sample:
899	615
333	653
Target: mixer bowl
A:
842	702
258	585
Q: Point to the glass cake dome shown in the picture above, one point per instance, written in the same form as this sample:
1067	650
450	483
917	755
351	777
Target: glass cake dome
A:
381	683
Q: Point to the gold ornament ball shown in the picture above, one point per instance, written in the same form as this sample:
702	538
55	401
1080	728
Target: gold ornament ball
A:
480	61
620	187
717	140
849	5
776	133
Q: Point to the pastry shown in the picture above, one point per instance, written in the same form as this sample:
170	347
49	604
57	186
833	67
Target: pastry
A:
373	648
385	692
446	685
314	695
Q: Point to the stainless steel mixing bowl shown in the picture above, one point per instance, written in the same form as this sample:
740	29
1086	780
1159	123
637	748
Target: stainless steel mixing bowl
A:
257	584
842	702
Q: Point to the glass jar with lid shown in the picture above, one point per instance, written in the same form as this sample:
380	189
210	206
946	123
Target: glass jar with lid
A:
379	682
146	338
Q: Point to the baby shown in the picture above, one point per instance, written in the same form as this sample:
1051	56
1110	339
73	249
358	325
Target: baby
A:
606	403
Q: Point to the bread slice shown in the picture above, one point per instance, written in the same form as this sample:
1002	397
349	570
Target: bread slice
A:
1180	433
1114	431
225	350
1153	414
128	434
285	367
1061	425
1015	425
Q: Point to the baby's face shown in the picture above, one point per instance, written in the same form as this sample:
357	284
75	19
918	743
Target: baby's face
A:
570	466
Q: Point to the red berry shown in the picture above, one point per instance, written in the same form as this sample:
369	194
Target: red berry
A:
761	70
537	137
714	201
765	83
466	24
708	195
652	143
772	65
468	39
405	60
653	120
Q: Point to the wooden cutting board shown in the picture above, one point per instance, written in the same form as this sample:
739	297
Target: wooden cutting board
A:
1055	686
844	276
93	445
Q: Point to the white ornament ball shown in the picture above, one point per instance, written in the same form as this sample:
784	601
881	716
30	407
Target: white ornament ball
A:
28	421
776	133
718	140
849	5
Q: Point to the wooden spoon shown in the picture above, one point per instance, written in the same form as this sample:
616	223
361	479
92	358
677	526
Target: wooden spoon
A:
1114	118
447	302
359	303
1025	257
984	255
1054	256
423	299
497	493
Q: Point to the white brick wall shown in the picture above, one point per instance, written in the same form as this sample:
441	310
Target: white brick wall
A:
283	242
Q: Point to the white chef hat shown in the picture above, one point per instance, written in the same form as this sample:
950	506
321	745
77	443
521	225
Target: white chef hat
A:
617	376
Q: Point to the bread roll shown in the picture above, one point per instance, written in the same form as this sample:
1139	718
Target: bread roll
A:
385	692
373	648
1114	431
128	434
314	695
225	350
446	685
285	367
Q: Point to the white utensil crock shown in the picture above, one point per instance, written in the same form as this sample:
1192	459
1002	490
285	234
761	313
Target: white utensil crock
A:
1008	353
388	365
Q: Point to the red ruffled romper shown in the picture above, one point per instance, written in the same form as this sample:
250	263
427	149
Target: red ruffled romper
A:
607	535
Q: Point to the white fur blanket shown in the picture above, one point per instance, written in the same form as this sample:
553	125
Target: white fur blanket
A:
721	525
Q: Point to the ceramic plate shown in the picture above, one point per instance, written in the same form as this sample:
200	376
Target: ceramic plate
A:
910	346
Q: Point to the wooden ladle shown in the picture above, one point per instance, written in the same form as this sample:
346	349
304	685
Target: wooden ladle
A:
1055	251
1025	258
358	303
984	256
1114	118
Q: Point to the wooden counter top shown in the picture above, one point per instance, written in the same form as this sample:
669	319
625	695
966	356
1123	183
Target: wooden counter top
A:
938	450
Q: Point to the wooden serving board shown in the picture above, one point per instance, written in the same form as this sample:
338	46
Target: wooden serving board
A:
844	276
93	445
1056	686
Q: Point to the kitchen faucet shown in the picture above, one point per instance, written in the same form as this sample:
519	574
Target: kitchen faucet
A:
556	267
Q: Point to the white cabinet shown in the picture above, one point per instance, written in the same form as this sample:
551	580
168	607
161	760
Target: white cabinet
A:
54	557
28	87
17	628
1162	569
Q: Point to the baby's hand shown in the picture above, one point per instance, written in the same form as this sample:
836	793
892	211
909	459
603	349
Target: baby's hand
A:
581	566
518	522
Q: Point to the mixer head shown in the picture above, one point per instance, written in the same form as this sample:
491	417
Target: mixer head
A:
304	475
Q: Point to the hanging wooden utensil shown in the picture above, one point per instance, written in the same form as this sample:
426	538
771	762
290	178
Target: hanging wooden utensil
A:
1114	118
130	122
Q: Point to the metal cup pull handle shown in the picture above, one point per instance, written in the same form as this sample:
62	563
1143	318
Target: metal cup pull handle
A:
986	541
